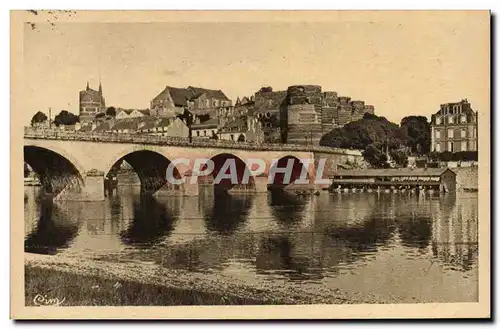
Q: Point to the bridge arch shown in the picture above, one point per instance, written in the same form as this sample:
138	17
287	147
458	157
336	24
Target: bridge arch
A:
54	169
280	178
222	162
151	167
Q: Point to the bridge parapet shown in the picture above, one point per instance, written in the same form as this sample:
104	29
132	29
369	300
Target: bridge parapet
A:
179	141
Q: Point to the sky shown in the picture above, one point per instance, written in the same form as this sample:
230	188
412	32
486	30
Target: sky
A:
402	66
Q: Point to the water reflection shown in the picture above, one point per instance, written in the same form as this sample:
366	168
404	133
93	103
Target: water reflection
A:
152	221
53	231
225	213
454	233
287	209
281	255
274	236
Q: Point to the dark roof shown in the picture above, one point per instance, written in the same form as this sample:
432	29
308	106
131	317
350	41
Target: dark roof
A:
392	172
132	123
211	93
180	96
145	112
239	123
210	123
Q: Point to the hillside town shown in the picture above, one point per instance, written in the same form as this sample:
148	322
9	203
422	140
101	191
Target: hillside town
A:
298	115
301	115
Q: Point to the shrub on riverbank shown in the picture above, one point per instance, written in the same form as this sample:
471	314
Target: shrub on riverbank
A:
91	290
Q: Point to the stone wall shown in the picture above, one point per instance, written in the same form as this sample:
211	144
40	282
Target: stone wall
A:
467	178
47	134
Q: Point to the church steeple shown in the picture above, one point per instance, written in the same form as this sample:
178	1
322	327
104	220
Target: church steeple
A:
88	88
100	87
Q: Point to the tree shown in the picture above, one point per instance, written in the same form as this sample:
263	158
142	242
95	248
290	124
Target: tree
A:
373	134
359	134
65	118
111	111
399	157
375	157
39	117
417	131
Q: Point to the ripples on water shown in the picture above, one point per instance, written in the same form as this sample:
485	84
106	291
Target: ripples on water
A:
420	247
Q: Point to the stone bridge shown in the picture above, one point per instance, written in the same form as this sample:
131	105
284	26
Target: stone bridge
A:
74	166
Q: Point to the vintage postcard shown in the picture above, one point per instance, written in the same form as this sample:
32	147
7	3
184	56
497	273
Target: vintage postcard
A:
250	165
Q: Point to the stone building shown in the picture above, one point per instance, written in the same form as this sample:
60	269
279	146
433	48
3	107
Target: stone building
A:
234	130
200	102
302	114
91	103
207	129
454	128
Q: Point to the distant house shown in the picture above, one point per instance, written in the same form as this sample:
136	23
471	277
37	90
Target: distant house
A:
454	128
125	126
173	127
130	113
173	101
206	129
122	114
234	130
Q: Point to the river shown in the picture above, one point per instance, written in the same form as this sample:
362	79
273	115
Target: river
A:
398	247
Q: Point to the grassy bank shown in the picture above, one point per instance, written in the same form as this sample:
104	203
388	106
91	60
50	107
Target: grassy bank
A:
92	290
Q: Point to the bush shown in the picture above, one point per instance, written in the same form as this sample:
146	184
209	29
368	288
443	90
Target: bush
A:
39	117
65	118
375	157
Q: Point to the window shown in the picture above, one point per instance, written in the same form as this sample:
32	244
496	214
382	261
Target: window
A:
438	134
463	119
438	120
450	119
204	132
450	147
450	133
464	146
438	147
232	137
198	133
463	133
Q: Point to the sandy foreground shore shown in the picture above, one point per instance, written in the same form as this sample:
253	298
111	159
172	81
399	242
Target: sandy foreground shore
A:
268	292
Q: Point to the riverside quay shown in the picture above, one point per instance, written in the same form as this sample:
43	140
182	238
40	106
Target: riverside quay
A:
432	179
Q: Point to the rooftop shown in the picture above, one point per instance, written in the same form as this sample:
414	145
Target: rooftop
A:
392	172
210	123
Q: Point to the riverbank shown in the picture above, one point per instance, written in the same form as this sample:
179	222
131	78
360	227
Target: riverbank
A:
43	286
95	282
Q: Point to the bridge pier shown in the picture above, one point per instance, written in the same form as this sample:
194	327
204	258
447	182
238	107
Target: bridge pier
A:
91	189
261	184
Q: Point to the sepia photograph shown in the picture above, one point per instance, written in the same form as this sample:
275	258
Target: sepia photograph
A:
292	164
